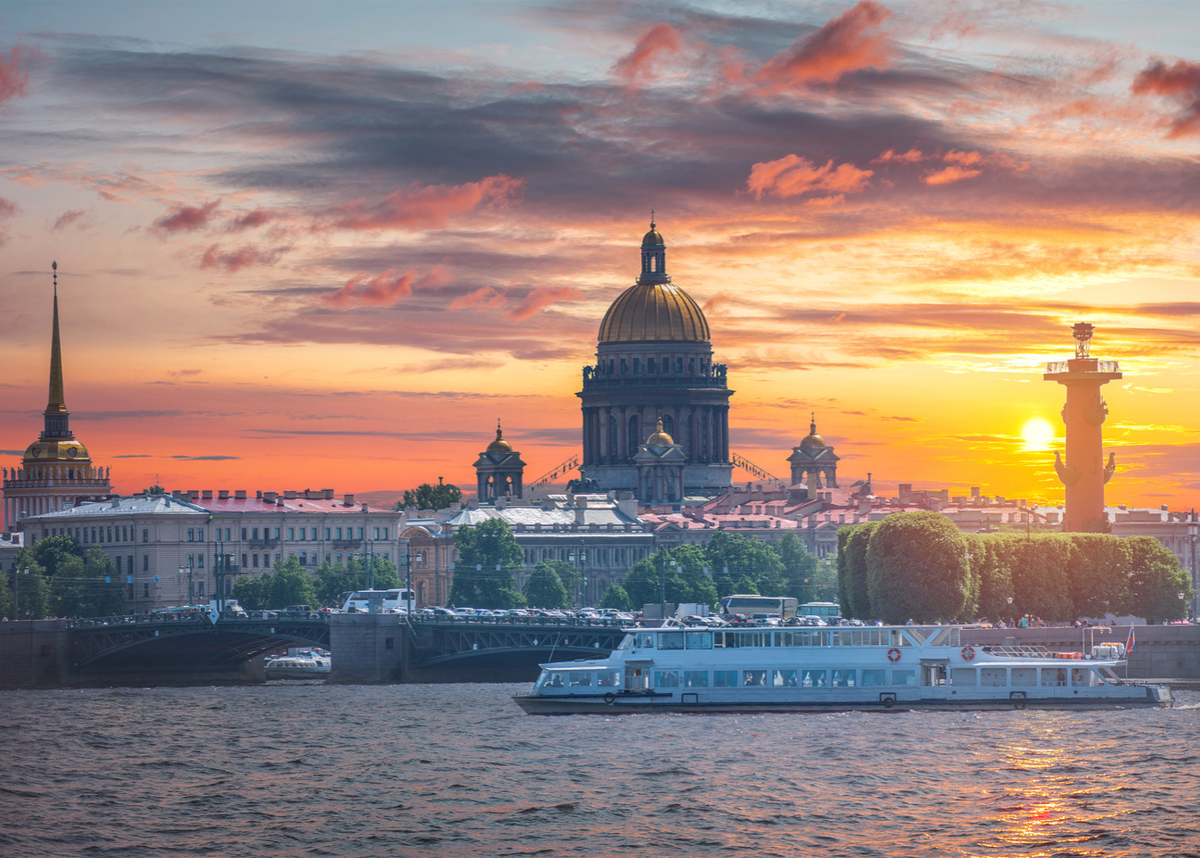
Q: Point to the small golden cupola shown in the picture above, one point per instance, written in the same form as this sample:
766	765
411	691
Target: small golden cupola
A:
659	436
499	471
499	445
813	440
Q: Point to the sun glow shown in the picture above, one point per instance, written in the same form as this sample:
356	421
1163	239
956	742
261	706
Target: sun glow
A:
1037	434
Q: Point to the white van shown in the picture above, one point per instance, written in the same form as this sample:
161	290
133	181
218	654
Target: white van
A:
388	601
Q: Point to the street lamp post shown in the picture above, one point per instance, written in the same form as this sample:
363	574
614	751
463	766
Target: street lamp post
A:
17	573
187	571
1193	537
408	562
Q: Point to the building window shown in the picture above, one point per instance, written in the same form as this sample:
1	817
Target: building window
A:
200	560
277	533
679	366
314	534
360	533
255	561
199	588
146	590
191	558
291	533
118	562
110	534
145	562
145	535
200	535
327	533
244	563
339	533
243	533
254	533
303	558
267	561
228	538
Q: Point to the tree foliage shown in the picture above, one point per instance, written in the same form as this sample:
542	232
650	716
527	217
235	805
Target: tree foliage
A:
858	595
734	557
1155	582
543	586
426	496
917	568
64	580
483	576
615	597
800	569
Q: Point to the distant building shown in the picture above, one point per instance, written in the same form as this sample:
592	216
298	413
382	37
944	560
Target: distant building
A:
56	469
499	471
162	543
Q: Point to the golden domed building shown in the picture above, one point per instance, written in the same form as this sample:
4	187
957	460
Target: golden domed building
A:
56	468
499	471
654	360
813	461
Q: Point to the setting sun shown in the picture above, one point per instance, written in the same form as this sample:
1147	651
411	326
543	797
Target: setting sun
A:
1037	434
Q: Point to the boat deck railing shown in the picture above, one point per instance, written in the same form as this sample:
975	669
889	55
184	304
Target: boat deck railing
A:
1031	651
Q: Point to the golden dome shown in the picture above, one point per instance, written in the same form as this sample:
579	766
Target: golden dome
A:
56	451
499	445
813	441
653	237
654	311
659	436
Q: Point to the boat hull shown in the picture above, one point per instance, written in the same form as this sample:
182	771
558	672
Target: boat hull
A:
640	704
297	673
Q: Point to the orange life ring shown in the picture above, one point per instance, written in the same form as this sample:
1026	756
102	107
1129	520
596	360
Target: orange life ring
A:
893	655
968	652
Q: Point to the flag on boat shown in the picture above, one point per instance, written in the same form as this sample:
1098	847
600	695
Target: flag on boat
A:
1131	643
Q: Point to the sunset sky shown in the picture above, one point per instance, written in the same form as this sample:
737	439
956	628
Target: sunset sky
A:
329	245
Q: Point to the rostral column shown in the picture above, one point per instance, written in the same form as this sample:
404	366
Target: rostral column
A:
1084	473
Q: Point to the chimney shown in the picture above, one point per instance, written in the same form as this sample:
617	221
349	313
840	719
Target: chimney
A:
207	494
269	497
975	492
222	494
328	493
579	513
365	507
290	495
258	495
239	494
348	500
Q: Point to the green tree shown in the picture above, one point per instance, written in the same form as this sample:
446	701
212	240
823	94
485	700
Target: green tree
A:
843	568
251	593
6	595
31	592
544	588
426	496
616	598
994	577
1098	570
917	568
483	576
86	586
858	594
290	584
157	490
641	583
1037	568
745	557
1155	582
799	567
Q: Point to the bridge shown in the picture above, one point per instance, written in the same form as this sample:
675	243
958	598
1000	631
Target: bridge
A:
162	649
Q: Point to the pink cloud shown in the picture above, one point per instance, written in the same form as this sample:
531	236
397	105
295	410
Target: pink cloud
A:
186	218
949	175
7	208
13	81
69	218
542	297
427	206
912	156
251	220
483	298
382	290
792	176
1180	82
243	257
843	45
963	159
635	67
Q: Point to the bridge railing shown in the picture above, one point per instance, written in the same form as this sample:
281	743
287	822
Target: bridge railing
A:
575	622
198	617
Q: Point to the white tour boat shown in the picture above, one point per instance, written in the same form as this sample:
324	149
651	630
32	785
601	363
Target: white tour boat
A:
306	664
772	669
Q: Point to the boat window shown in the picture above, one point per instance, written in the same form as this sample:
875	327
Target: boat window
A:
666	679
1081	677
843	678
813	679
555	679
695	679
906	676
1052	677
609	678
964	676
1024	677
940	637
699	640
670	640
750	639
725	678
783	678
842	638
874	676
580	679
993	676
626	642
645	640
754	677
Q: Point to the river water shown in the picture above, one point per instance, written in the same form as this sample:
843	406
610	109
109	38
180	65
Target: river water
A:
459	770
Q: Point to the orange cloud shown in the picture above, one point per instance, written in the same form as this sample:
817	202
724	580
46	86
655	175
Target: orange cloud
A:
949	175
382	290
912	156
635	67
13	81
843	45
483	298
1180	82
187	218
541	297
236	260
427	206
791	176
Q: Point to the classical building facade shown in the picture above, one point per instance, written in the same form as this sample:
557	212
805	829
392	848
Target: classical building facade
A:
654	362
56	469
167	547
813	463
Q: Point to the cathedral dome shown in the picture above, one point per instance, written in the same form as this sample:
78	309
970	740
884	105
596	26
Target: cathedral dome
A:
55	450
654	311
659	436
813	441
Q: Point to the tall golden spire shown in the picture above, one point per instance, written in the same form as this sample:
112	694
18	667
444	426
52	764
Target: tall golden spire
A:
57	403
